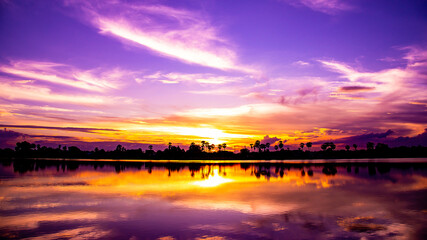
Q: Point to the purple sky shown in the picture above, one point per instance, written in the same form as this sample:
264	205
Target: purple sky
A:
150	72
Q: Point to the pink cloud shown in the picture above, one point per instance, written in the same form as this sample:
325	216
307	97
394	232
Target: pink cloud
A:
98	80
200	78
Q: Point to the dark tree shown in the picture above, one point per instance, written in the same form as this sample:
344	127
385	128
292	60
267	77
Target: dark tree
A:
370	146
309	145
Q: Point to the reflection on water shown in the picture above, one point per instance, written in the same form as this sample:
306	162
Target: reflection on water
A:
232	200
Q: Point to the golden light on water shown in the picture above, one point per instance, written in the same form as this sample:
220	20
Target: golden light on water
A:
213	180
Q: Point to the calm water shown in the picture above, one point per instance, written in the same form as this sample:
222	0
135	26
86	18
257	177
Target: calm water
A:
225	200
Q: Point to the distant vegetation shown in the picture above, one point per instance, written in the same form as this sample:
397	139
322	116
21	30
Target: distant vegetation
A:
206	151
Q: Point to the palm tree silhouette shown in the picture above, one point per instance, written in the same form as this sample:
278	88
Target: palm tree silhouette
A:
355	146
224	146
257	145
252	146
203	145
309	144
262	146
347	147
302	146
267	145
324	146
281	145
169	145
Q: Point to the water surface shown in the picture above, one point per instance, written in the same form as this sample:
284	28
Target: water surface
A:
370	199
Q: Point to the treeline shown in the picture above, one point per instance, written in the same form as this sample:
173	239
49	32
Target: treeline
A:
267	169
206	151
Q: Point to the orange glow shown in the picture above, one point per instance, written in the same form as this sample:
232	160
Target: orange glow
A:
213	180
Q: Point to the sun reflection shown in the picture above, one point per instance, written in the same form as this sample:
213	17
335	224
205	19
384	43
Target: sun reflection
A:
213	180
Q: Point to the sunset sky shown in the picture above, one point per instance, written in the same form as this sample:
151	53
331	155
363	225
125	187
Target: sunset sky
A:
99	73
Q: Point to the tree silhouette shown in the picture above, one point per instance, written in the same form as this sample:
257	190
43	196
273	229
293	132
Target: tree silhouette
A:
324	146
28	150
24	146
257	145
355	146
370	146
169	145
281	145
381	147
267	145
302	146
328	146
203	145
120	148
309	145
252	146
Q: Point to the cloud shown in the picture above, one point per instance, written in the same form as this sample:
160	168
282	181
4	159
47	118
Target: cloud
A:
366	137
361	140
180	34
43	94
355	89
301	63
392	86
201	78
97	80
346	71
9	138
243	110
420	139
74	129
324	6
269	140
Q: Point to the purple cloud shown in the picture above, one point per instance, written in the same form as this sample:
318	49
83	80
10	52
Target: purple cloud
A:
355	88
324	6
270	140
9	138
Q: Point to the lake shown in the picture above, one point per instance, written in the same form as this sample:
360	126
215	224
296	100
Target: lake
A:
321	199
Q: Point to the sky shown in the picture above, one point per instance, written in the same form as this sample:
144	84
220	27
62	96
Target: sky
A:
139	73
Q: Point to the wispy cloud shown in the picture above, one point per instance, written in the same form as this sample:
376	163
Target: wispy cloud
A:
244	110
201	78
98	80
324	6
74	129
15	91
180	34
301	63
395	81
